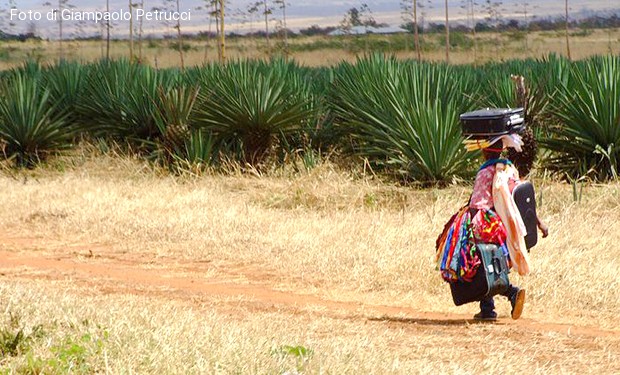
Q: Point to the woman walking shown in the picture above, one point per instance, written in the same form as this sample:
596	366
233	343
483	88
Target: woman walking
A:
490	217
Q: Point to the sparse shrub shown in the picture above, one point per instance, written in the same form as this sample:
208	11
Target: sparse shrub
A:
12	343
176	46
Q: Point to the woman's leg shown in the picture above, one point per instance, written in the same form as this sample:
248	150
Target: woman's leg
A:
516	296
487	310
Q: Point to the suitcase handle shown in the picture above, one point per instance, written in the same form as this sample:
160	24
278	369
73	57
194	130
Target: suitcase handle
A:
497	268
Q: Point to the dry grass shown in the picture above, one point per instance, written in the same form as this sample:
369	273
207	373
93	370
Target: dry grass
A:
132	335
325	234
158	53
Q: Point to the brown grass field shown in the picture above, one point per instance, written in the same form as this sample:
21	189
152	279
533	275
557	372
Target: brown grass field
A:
490	47
109	265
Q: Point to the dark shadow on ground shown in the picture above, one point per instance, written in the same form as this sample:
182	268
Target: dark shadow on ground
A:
431	322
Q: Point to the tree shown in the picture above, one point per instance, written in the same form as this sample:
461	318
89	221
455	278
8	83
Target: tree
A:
470	6
523	9
258	9
566	20
107	26
32	30
166	6
180	37
211	6
416	33
140	32
62	4
406	13
131	55
267	11
317	30
494	16
9	5
447	35
353	16
367	19
222	49
263	8
410	16
282	5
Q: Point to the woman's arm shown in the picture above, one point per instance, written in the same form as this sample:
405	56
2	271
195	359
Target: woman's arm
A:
542	226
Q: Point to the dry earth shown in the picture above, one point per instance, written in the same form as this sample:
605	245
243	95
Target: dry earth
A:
100	269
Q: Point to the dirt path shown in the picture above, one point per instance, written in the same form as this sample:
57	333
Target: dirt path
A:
100	267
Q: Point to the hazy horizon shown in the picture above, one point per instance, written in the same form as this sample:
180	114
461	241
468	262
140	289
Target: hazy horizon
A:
300	14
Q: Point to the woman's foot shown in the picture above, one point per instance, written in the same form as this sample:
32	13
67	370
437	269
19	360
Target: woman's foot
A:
486	316
516	301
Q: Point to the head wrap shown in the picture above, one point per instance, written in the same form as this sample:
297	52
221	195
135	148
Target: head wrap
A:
512	140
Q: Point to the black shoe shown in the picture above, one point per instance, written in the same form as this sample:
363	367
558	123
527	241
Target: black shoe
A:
486	316
516	301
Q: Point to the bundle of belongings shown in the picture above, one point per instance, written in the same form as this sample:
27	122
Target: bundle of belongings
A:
487	237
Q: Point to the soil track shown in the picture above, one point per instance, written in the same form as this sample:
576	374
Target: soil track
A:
99	266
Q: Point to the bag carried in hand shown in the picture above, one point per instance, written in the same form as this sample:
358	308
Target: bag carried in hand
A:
491	278
525	199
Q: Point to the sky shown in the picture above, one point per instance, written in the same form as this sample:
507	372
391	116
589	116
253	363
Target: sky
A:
300	13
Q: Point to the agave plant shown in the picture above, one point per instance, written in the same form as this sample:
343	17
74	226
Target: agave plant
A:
404	116
545	77
32	126
587	137
197	153
250	105
66	82
318	133
120	99
175	107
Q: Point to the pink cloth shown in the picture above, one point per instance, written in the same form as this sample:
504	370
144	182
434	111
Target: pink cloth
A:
482	196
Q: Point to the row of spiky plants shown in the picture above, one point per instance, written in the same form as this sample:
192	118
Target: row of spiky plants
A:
246	109
402	116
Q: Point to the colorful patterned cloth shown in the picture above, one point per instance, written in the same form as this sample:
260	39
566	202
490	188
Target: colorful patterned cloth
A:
479	222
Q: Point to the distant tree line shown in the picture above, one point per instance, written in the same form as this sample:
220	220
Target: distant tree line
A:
546	24
22	37
542	24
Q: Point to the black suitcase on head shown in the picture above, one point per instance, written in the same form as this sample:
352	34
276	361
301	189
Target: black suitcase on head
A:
489	122
490	279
